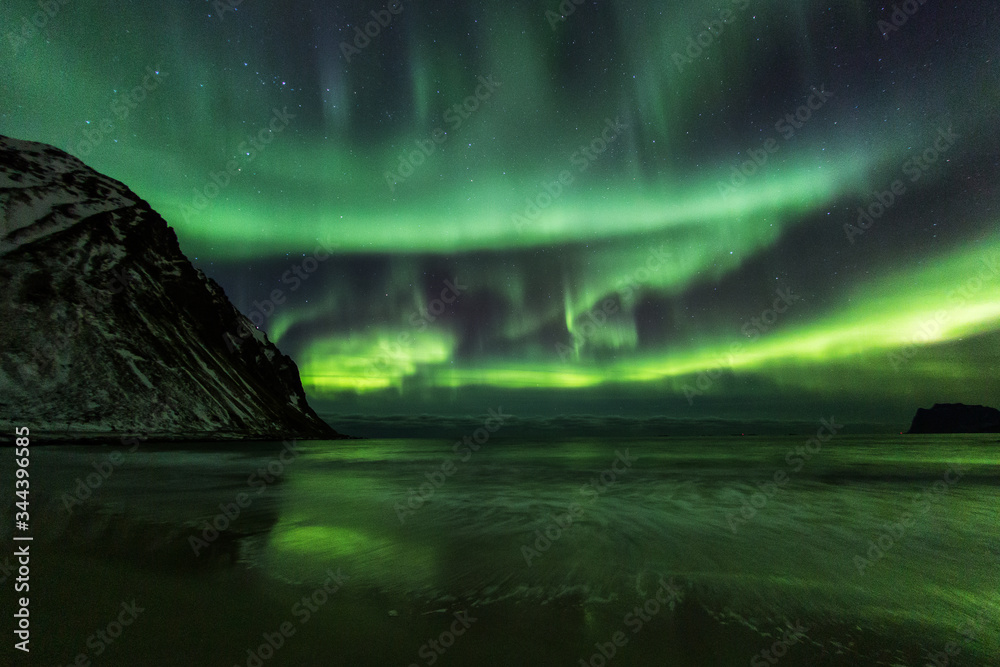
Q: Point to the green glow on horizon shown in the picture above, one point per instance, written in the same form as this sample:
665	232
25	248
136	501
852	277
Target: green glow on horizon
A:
882	317
371	362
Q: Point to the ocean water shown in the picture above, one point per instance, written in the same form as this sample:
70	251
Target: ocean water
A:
880	550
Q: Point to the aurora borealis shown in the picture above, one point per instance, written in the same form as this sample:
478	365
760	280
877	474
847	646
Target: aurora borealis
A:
778	209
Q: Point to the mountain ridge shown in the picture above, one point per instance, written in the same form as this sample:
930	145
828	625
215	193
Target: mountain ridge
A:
109	329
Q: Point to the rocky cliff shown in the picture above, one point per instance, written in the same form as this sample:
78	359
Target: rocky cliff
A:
956	418
106	329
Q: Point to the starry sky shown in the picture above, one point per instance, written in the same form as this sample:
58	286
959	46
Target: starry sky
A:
776	209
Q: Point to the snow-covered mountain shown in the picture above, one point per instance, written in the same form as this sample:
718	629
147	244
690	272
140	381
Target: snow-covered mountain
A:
106	329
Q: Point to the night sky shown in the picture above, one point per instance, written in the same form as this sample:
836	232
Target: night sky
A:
772	209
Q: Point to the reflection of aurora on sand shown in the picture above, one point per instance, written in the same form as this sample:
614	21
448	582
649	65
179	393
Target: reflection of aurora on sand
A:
663	519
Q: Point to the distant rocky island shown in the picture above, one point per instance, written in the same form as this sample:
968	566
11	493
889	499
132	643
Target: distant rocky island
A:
956	418
108	330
